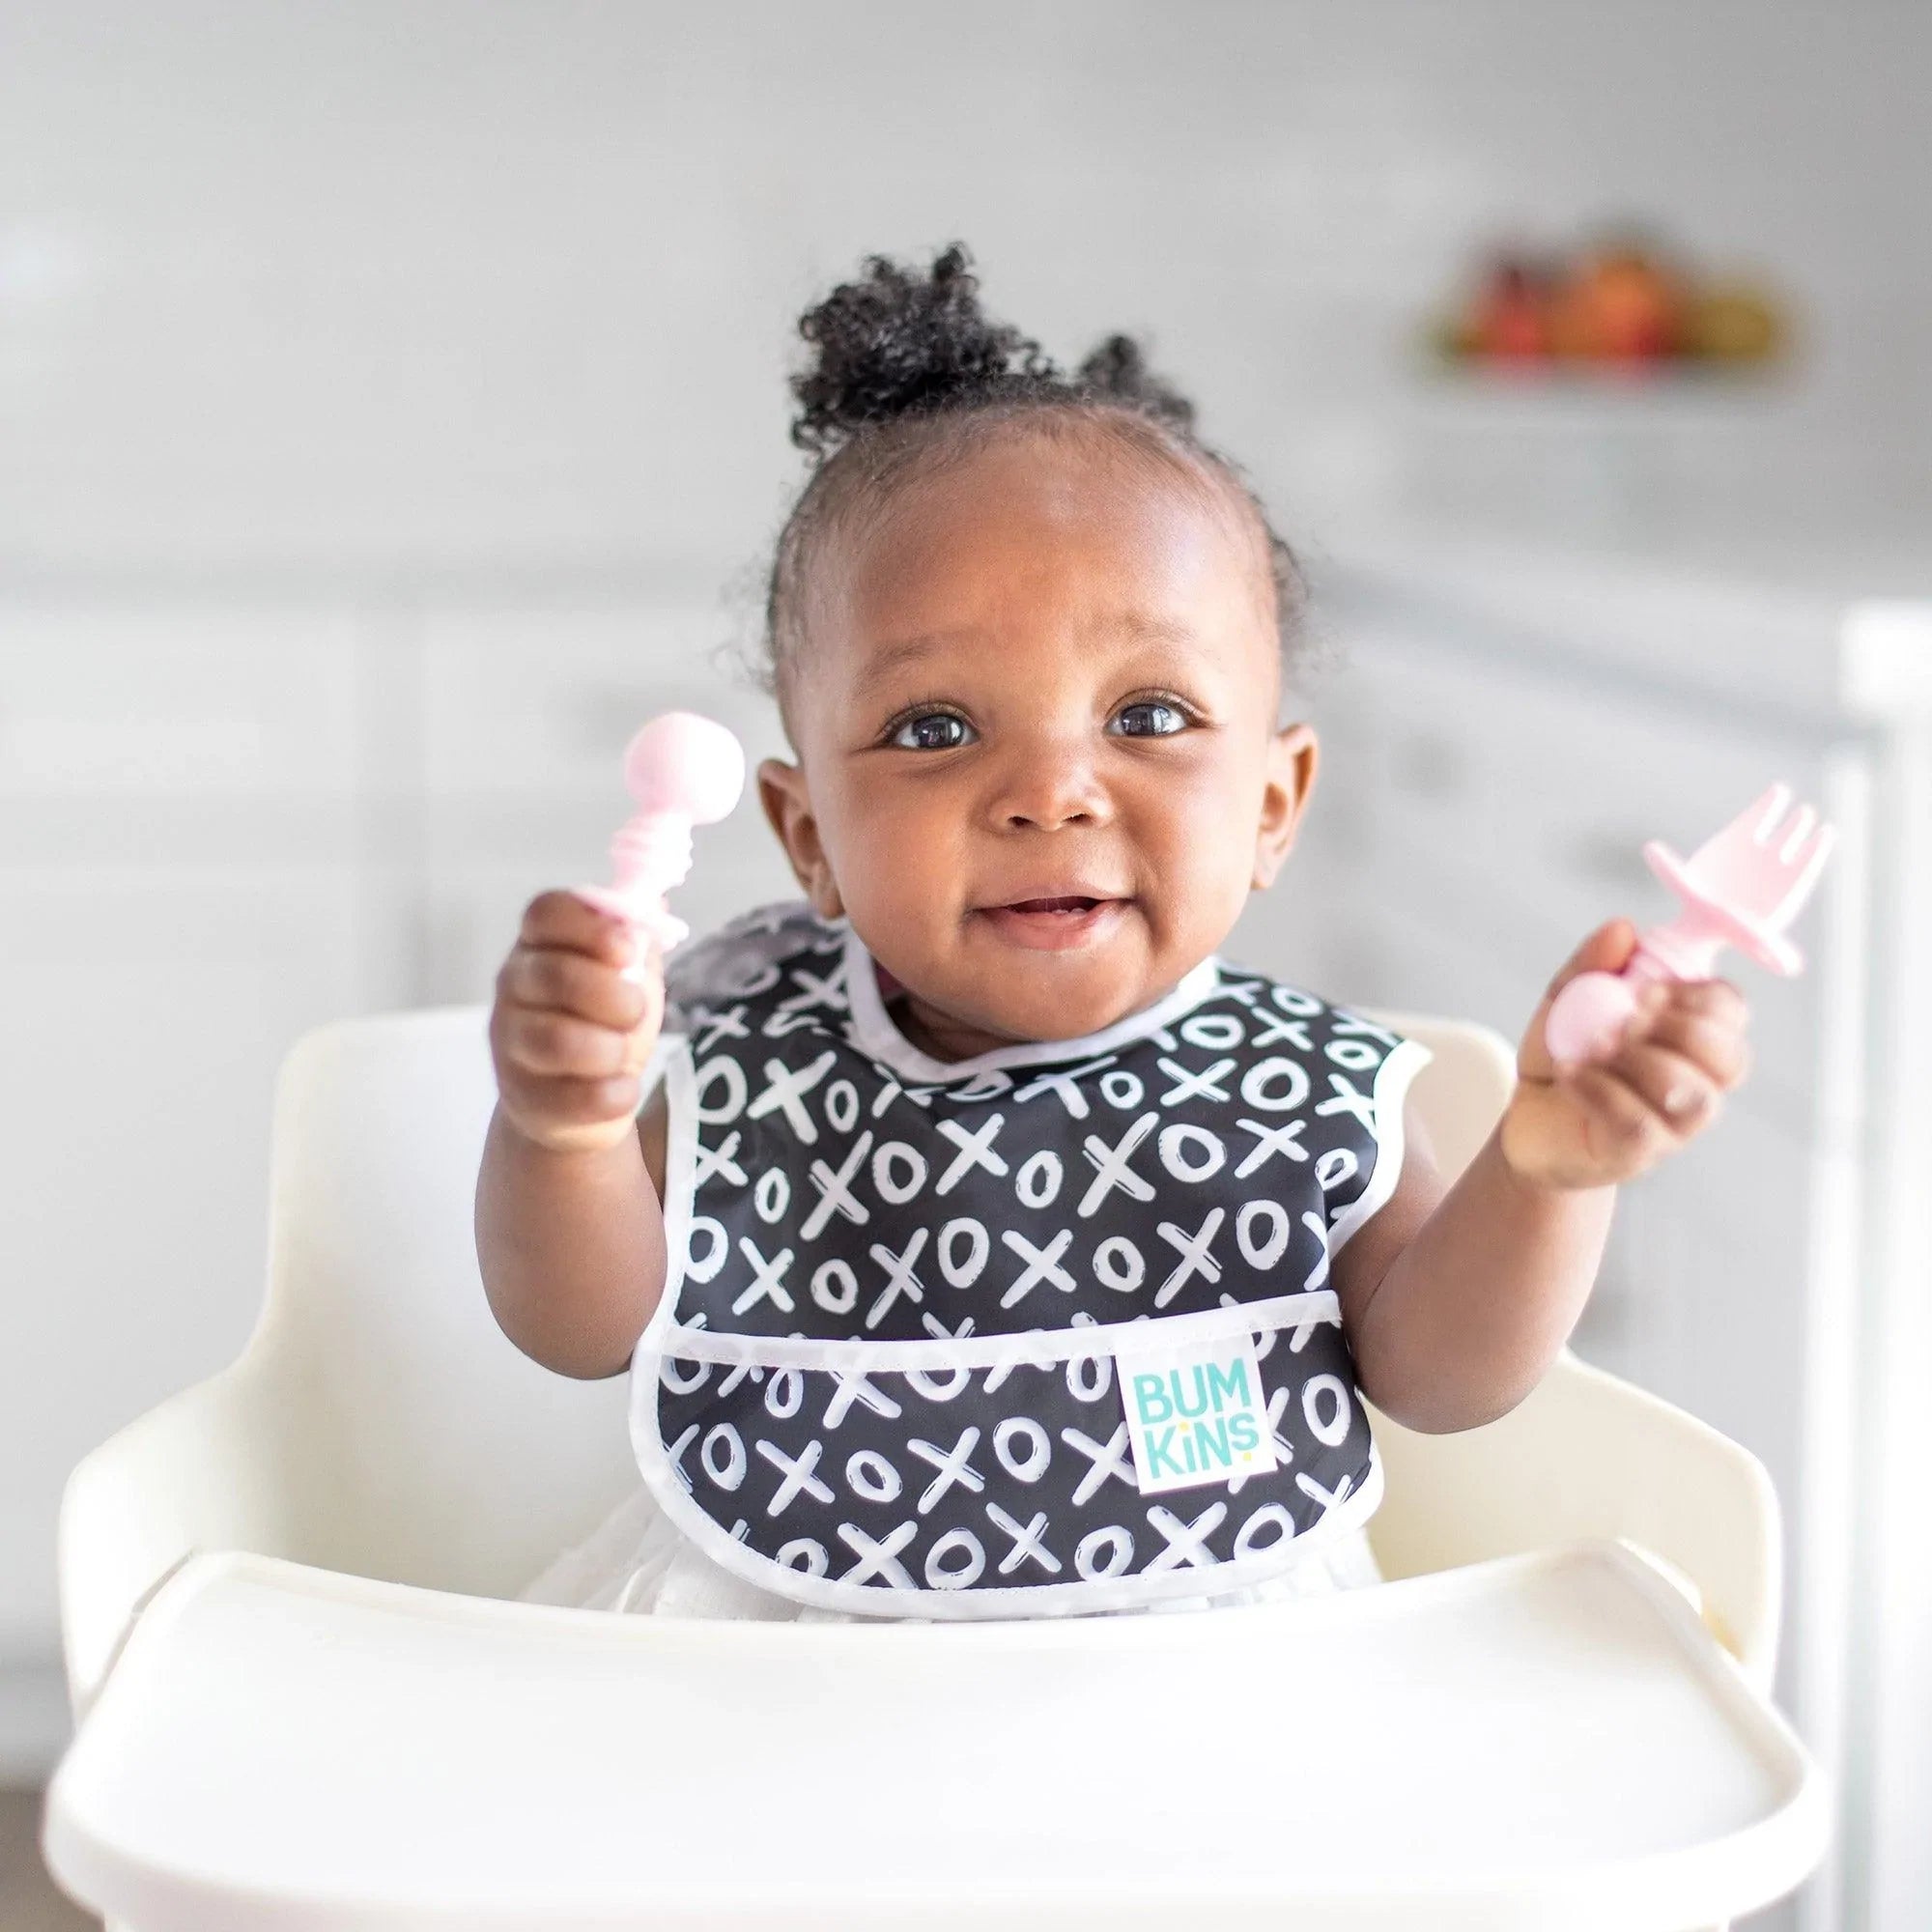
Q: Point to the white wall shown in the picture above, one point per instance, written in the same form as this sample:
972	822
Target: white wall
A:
405	282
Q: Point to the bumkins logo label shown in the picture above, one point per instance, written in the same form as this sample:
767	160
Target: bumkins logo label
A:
1196	1416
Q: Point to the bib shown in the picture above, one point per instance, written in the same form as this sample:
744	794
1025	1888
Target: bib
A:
1046	1330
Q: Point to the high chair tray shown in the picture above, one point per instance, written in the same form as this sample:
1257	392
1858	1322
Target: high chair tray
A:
1550	1740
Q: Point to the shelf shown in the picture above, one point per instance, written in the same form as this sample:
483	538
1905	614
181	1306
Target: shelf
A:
1590	395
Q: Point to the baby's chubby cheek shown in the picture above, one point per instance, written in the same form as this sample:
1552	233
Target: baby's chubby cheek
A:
1198	859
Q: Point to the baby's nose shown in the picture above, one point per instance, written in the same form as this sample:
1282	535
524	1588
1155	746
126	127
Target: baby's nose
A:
1046	791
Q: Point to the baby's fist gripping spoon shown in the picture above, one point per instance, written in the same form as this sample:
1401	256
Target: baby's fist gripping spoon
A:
1741	888
682	770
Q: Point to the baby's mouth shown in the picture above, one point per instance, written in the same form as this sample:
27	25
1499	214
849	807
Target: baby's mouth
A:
1054	921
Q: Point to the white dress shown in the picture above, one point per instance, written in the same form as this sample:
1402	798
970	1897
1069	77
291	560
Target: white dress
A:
638	1562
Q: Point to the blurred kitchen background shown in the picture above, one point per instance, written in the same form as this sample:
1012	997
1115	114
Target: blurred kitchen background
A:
392	416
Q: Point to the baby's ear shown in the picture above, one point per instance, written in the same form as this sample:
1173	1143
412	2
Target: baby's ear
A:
782	791
1294	757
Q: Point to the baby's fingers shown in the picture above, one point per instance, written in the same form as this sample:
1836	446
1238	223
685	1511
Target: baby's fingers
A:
1605	950
567	982
562	918
1679	1094
1705	1022
1623	1133
550	1043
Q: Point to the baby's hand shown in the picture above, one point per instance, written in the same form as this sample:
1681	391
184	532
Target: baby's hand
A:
569	1034
1610	1119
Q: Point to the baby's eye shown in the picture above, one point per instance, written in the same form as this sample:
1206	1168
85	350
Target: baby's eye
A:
932	731
1149	718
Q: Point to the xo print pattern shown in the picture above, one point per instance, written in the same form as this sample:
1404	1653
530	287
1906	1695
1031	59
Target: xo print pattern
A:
1202	1163
994	1478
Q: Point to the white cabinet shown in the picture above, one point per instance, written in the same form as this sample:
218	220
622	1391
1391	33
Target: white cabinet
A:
180	839
143	1017
162	706
1498	745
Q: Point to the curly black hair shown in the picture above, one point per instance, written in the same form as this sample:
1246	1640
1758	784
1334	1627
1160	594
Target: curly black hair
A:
911	373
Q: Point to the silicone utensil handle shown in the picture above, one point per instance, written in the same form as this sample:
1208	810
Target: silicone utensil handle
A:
682	770
1587	1017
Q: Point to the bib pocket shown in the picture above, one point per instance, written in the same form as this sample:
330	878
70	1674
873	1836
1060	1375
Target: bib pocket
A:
1096	1466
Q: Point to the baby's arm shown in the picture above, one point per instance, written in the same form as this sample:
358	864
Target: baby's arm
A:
569	1231
1456	1302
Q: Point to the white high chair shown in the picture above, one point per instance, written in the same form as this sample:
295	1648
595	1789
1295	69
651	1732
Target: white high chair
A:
302	1703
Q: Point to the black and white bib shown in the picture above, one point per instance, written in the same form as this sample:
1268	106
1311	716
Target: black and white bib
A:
1044	1330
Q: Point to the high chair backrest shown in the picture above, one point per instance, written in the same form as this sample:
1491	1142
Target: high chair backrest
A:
1461	1093
377	1330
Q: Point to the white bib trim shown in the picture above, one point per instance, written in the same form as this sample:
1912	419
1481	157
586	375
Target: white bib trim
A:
1070	1598
1042	1347
873	1030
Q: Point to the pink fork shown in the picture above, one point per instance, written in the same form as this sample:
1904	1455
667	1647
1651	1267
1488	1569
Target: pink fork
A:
1741	888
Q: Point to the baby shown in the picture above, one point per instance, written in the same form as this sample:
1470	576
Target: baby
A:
984	1244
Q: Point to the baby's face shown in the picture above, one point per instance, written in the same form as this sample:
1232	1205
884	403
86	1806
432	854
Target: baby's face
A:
1035	714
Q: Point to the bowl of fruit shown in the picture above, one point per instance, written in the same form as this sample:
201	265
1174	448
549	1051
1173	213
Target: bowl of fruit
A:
1620	304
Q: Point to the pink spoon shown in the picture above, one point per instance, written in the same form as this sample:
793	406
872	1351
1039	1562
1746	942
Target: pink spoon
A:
682	770
1741	888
